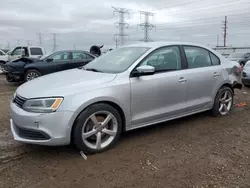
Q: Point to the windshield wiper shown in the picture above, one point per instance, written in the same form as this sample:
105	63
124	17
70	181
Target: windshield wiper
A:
92	69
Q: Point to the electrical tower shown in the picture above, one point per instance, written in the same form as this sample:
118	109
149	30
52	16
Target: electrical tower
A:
29	42
121	24
54	42
225	30
40	39
146	26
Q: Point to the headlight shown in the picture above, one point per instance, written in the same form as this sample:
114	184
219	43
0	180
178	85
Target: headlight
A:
14	96
44	105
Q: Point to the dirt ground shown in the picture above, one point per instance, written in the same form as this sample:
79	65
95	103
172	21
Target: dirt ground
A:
197	151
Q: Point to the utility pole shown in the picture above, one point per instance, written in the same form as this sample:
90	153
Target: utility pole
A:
54	42
29	43
74	46
116	42
121	24
218	40
18	42
146	26
8	46
40	39
225	30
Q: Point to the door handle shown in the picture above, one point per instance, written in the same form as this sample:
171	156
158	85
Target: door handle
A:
216	74
181	80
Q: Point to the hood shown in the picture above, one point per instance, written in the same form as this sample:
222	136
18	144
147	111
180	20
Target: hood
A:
64	83
26	60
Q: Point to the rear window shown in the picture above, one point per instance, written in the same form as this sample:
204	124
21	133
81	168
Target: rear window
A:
36	51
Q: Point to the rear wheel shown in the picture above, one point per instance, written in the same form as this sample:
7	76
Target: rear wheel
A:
31	74
97	128
223	102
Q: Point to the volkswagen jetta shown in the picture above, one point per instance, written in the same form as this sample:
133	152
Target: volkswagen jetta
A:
128	88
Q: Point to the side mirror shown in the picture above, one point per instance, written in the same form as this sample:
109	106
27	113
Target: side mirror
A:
144	70
49	60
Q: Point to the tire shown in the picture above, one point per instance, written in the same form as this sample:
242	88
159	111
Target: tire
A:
217	102
84	124
31	74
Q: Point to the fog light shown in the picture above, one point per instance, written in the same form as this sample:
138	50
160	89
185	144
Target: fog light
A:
36	124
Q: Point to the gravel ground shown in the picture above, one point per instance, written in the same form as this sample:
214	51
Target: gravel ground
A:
196	151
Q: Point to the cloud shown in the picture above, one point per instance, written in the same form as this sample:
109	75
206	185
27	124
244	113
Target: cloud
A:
83	23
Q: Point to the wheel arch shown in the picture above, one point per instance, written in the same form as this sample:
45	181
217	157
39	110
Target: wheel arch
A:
31	68
111	103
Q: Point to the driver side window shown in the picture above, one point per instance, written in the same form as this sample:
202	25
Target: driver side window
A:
164	59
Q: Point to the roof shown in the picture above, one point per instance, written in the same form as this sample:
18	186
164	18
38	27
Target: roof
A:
159	44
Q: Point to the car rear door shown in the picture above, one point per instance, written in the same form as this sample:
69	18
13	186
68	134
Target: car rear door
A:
79	59
162	95
56	62
204	77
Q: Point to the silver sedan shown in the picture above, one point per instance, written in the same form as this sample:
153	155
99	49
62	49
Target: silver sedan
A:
127	88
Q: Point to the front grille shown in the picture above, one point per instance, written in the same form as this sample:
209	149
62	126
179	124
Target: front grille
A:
30	134
244	74
19	101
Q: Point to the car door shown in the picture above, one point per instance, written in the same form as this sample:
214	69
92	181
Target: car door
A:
79	59
162	95
16	53
204	77
56	62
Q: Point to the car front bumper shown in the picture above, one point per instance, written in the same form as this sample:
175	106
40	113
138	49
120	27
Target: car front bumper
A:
52	129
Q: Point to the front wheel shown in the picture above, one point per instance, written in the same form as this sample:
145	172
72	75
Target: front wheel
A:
97	128
223	102
31	74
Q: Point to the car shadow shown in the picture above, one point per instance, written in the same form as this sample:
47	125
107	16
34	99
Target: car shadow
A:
133	135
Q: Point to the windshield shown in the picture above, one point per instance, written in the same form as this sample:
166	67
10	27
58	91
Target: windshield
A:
236	55
116	61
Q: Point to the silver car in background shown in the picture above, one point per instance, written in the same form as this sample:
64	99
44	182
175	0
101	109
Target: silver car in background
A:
246	74
130	87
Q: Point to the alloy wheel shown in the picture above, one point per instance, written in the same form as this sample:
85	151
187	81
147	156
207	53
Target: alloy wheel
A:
31	76
225	102
99	130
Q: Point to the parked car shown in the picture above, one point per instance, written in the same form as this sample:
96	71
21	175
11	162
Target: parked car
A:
26	69
128	88
26	51
240	57
3	60
246	74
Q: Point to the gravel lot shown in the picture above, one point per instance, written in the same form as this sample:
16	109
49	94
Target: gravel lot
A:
197	151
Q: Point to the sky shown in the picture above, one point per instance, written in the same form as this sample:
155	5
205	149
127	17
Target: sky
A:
80	24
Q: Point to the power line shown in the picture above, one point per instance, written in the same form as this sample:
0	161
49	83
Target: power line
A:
225	30
177	5
224	4
146	26
121	24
